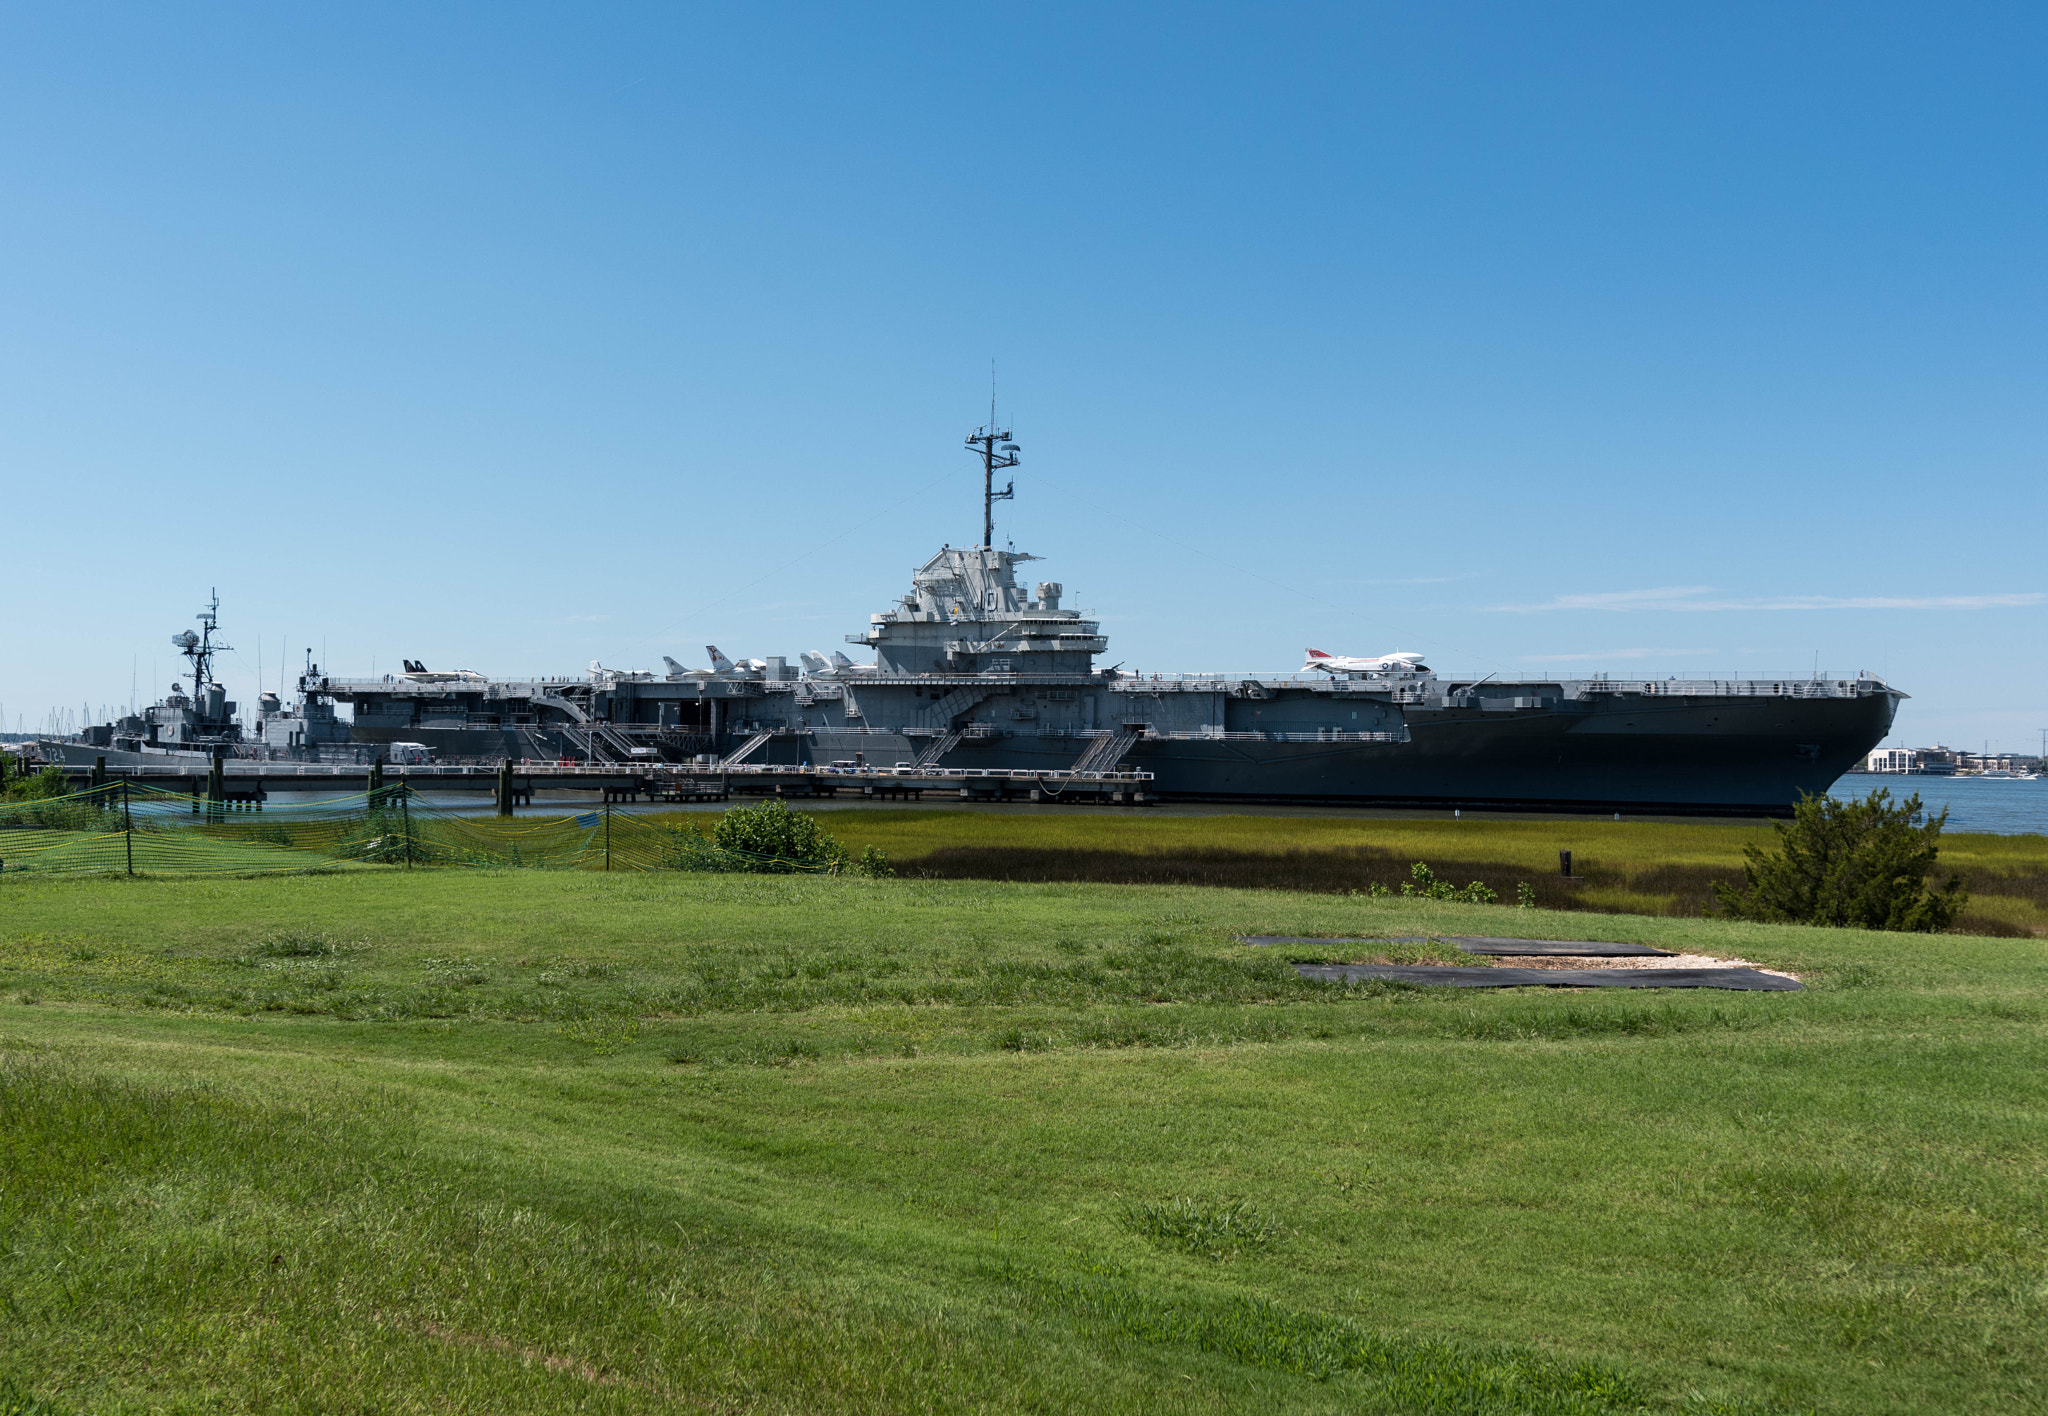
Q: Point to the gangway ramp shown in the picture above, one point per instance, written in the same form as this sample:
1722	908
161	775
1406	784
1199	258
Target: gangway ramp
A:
1105	752
936	750
747	749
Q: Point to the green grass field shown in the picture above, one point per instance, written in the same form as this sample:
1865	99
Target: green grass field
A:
537	1141
1629	867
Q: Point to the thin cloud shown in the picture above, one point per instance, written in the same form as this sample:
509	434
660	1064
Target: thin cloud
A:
1703	597
1610	654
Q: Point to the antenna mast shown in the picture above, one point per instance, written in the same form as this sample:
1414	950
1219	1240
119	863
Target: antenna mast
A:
992	444
200	648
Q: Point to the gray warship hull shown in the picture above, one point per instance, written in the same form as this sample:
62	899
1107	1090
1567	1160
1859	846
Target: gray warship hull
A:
1674	746
1706	759
1664	748
86	753
1639	748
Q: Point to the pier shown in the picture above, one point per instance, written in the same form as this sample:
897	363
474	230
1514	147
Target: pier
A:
248	784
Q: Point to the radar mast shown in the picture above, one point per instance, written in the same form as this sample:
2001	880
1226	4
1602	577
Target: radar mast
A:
991	443
200	648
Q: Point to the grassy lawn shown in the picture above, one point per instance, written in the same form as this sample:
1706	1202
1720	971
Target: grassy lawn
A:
536	1141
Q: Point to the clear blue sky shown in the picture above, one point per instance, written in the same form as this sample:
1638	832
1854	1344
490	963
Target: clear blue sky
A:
1539	338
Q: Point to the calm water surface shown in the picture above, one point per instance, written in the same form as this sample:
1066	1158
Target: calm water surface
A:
2001	806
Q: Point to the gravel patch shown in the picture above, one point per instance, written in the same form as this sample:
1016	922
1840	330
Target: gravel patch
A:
1658	961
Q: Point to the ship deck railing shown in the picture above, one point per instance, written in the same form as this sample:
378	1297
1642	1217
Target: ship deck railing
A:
930	773
1681	686
1734	688
982	732
485	773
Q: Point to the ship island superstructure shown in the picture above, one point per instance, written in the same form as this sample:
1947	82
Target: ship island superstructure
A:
976	670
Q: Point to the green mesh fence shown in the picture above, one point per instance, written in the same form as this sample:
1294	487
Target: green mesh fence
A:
136	830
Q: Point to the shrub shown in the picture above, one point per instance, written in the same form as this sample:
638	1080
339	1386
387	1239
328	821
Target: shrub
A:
46	801
772	838
1425	885
683	847
384	834
48	783
1861	864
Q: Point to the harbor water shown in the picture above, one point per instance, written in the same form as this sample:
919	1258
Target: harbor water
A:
2000	806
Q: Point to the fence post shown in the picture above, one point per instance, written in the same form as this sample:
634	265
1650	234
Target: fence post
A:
405	810
505	786
127	827
607	833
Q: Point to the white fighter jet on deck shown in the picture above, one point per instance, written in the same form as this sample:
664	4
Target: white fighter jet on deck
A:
726	668
836	667
1385	664
420	673
678	674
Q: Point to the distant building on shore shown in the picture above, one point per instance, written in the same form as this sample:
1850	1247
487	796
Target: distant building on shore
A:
1943	761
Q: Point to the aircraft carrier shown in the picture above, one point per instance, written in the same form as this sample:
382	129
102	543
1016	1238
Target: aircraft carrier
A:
978	670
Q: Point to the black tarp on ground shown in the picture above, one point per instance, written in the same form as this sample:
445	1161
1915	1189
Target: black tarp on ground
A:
1586	948
1475	944
1551	978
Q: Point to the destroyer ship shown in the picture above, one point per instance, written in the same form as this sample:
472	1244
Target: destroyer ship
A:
193	728
975	668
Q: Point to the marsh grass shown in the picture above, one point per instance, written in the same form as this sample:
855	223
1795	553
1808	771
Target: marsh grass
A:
1632	867
2005	903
